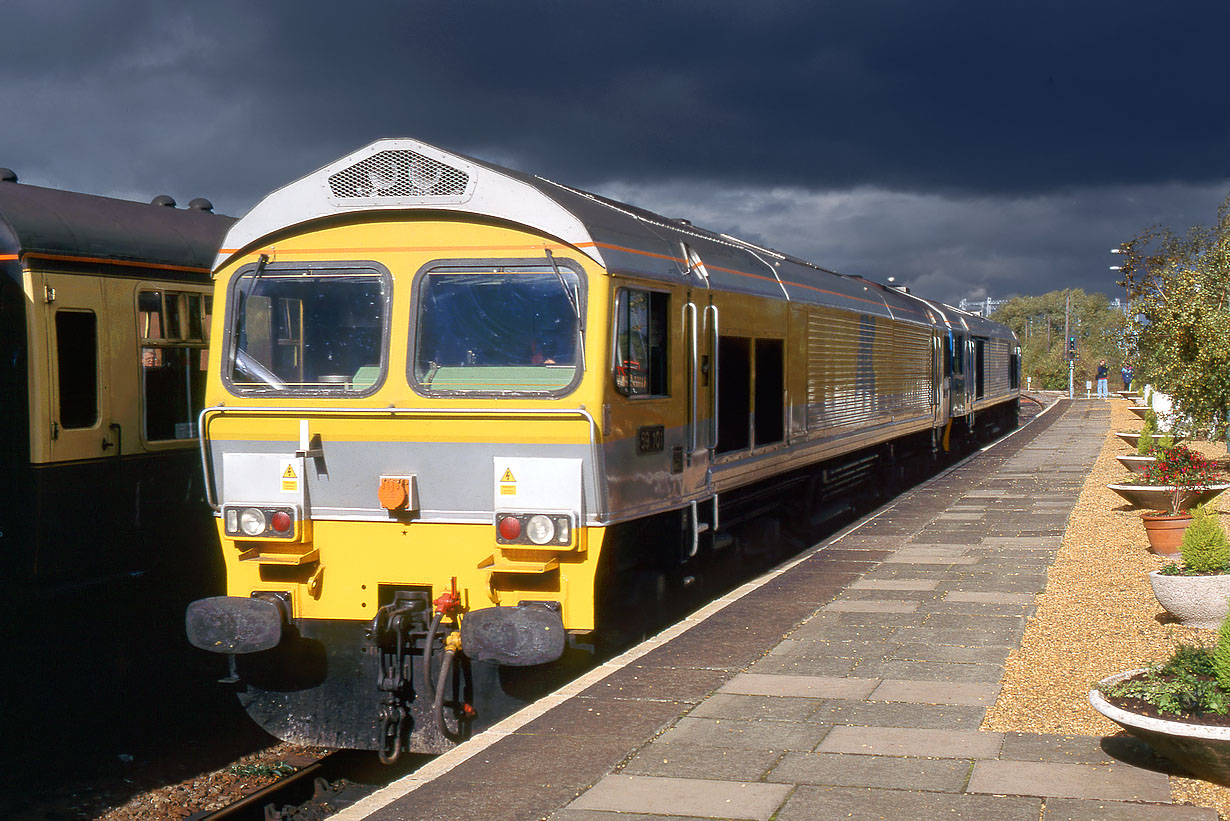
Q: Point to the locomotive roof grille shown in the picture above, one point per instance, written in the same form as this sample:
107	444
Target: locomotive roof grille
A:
398	175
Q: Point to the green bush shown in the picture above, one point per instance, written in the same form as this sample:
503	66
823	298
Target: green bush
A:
1187	683
1221	656
1145	444
1204	547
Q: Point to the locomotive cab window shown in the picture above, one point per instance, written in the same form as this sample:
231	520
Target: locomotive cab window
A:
641	343
174	331
308	329
498	329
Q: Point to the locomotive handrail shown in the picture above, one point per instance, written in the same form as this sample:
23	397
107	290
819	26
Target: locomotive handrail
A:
694	386
715	375
598	463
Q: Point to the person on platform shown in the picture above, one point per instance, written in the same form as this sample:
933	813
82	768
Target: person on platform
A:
1127	373
1101	377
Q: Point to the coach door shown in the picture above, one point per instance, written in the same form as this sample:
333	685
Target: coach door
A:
71	396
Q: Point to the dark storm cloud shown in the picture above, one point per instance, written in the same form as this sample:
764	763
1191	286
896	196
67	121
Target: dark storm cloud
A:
964	146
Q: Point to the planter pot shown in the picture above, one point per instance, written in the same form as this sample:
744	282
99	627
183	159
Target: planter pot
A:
1165	532
1140	410
1196	601
1136	464
1133	438
1202	751
1129	394
1159	497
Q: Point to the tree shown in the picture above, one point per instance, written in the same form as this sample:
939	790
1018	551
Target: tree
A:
1178	286
1039	323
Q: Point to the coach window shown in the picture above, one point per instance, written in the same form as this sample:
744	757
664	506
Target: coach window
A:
641	343
173	331
77	366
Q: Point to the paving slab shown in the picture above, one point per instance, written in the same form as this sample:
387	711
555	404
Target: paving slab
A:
683	760
899	714
754	684
989	597
771	708
703	798
1070	809
895	584
971	694
911	741
930	671
1117	782
944	775
745	734
870	606
809	803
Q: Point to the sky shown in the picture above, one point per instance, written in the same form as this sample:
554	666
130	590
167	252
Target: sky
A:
967	149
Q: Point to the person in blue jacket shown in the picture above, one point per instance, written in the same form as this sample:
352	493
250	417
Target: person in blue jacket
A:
1101	377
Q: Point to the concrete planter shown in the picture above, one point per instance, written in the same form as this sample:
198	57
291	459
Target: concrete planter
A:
1202	751
1133	395
1196	601
1133	438
1140	410
1160	497
1136	464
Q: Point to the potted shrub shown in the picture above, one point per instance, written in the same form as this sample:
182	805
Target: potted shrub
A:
1139	461
1179	480
1195	591
1150	427
1180	708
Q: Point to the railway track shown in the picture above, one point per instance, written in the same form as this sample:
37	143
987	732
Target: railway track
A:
317	790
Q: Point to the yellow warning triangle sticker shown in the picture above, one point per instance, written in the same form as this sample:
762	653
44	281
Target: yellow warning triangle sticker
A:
507	477
290	472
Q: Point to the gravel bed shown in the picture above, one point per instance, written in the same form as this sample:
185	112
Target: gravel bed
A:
1102	568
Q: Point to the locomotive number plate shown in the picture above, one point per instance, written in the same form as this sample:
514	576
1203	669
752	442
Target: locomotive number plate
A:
650	439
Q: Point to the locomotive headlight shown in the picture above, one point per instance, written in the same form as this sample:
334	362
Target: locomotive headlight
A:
252	521
540	529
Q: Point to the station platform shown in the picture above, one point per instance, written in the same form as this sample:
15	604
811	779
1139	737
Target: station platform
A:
849	683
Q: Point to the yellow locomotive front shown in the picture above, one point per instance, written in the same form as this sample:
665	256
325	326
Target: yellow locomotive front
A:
397	433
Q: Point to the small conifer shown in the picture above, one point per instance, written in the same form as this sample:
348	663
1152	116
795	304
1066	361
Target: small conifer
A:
1145	444
1204	547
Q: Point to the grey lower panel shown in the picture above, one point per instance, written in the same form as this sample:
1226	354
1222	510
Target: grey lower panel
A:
454	479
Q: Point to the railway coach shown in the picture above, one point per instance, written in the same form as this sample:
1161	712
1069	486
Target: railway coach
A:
462	420
104	317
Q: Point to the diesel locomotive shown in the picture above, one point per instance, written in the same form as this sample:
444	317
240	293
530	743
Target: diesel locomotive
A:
463	420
